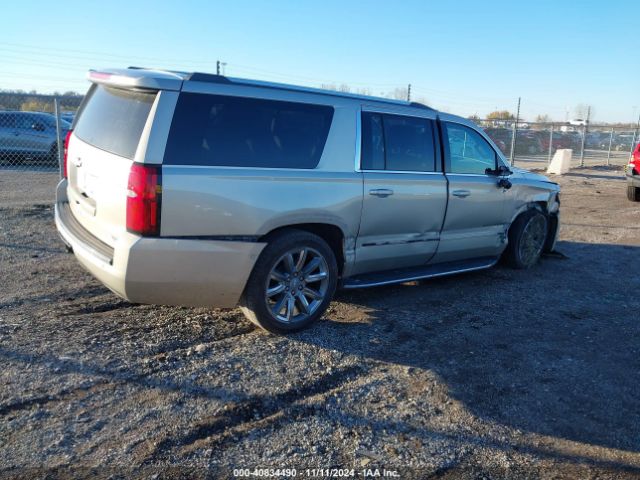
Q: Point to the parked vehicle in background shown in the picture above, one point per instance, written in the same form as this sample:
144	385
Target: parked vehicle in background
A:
595	140
633	176
198	189
68	116
564	140
501	137
623	141
29	136
528	143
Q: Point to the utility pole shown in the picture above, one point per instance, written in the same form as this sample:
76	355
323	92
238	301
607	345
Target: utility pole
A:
218	67
513	135
409	93
585	128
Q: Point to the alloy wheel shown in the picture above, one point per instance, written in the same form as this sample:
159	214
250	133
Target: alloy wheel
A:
297	285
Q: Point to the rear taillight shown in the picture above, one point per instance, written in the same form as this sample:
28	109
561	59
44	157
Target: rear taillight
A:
65	173
144	193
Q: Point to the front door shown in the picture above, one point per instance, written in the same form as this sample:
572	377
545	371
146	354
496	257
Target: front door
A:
405	197
474	225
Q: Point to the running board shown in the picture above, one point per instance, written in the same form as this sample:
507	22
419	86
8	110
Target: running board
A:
402	275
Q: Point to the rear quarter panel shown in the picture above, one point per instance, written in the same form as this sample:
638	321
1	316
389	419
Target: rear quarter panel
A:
235	201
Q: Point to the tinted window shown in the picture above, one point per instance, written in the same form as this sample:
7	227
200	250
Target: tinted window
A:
24	121
372	142
397	143
409	143
50	121
7	120
112	119
246	132
468	151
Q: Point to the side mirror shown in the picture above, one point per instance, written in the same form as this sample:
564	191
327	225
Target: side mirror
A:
503	170
505	183
498	172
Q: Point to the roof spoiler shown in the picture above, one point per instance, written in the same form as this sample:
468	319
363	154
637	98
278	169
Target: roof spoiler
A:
137	78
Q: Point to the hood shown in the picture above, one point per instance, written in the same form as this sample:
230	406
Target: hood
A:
526	174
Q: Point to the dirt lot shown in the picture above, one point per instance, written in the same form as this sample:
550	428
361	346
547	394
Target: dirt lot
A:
494	374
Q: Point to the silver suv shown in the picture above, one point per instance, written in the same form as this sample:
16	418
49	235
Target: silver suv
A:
30	135
203	190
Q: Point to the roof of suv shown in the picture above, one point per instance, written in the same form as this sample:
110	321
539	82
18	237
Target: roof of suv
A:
173	80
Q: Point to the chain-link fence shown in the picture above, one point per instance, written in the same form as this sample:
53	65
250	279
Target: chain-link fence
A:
532	145
33	128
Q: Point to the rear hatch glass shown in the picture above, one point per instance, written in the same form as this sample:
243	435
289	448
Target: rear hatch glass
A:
112	119
101	150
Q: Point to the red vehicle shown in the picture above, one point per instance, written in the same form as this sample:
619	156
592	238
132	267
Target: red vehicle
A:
633	176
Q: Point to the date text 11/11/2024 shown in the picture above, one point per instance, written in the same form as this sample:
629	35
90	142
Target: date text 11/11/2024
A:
316	473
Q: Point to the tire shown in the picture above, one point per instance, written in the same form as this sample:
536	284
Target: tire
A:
269	300
633	193
527	238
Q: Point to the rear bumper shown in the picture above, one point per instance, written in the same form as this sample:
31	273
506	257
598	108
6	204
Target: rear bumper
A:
633	180
165	271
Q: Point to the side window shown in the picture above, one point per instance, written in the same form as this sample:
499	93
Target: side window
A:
24	122
397	143
246	132
372	142
468	151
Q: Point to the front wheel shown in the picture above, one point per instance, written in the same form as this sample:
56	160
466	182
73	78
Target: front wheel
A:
527	237
292	282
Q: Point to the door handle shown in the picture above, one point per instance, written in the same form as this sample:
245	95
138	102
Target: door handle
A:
381	192
461	193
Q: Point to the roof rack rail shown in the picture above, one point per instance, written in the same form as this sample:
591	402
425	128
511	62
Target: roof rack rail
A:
212	78
222	79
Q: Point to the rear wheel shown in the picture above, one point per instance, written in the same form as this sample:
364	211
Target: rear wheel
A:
633	193
292	282
527	237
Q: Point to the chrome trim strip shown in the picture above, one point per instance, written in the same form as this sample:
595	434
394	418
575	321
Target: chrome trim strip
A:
419	277
402	171
358	158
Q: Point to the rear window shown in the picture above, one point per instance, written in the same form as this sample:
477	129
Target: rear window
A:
246	132
112	119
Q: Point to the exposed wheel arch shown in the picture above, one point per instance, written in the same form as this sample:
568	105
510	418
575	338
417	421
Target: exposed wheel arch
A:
332	234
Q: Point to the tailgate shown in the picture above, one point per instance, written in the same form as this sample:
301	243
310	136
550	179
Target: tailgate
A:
101	150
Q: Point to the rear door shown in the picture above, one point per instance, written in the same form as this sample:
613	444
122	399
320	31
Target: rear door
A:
474	225
405	195
7	132
104	144
40	134
22	140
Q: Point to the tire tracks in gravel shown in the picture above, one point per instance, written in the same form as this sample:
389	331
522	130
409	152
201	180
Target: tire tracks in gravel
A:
60	396
240	418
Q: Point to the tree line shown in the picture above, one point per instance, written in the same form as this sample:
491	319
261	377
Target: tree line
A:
36	102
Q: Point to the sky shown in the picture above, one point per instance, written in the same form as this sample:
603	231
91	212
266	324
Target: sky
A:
464	57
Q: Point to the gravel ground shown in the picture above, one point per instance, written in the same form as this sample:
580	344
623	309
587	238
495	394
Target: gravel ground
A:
493	374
